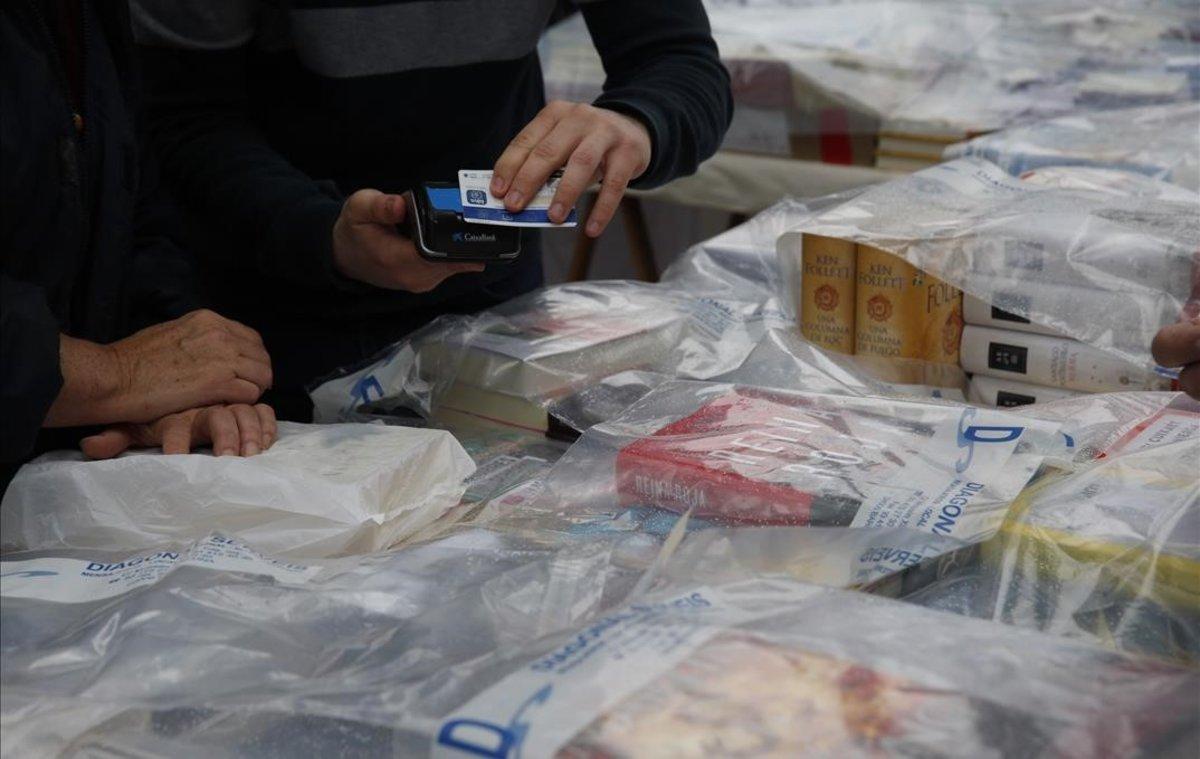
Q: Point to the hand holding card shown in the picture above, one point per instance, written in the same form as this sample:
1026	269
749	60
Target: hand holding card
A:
587	143
479	207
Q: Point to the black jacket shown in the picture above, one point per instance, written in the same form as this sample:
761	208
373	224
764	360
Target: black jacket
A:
266	114
84	250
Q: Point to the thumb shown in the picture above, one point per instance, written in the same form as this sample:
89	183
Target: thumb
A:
107	444
375	207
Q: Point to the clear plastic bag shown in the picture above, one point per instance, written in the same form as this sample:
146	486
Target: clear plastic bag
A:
105	649
1156	141
733	455
489	642
775	668
506	365
1103	269
320	490
1109	554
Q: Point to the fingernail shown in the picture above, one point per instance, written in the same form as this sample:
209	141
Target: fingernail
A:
593	228
252	449
556	212
513	198
497	185
227	452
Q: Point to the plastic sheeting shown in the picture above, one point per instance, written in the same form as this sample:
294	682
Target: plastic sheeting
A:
104	649
1104	269
320	490
509	362
1157	141
485	641
730	455
773	668
819	80
1109	554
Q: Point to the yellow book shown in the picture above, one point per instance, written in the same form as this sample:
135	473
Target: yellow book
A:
889	308
827	292
943	320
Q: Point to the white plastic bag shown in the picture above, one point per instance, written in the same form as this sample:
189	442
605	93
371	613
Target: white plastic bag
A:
320	490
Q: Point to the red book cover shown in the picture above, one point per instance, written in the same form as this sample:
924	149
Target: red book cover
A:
753	456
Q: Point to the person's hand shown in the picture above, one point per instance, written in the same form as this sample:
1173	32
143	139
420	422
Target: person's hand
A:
239	429
367	247
592	143
197	360
1179	345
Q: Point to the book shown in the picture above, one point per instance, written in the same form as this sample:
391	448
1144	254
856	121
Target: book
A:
503	375
761	456
827	287
538	353
1007	393
902	312
718	463
980	313
1051	361
901	164
887	305
941	319
1109	549
1130	318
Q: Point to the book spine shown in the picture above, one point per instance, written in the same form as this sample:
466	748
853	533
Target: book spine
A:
1050	361
677	486
942	320
888	308
1006	393
980	313
827	292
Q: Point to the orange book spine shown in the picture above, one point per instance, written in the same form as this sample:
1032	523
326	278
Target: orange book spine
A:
827	287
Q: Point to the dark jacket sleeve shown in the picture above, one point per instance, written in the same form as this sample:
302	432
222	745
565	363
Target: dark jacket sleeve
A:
30	378
163	281
662	67
217	159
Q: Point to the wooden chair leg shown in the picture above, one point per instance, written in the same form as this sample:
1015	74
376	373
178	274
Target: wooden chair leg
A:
641	252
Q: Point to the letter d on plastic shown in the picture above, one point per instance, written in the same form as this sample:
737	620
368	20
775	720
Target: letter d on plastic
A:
480	739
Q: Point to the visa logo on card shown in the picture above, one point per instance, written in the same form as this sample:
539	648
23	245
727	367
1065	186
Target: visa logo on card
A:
479	207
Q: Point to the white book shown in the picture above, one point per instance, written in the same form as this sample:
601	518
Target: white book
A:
1051	361
1130	318
980	313
995	391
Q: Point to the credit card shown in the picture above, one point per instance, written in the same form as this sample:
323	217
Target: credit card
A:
479	207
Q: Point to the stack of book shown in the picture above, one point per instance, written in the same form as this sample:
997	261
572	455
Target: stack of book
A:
510	370
1015	362
912	146
860	300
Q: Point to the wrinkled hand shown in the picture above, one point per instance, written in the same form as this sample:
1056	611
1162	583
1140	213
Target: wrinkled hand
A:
367	247
1179	345
196	360
232	430
592	143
